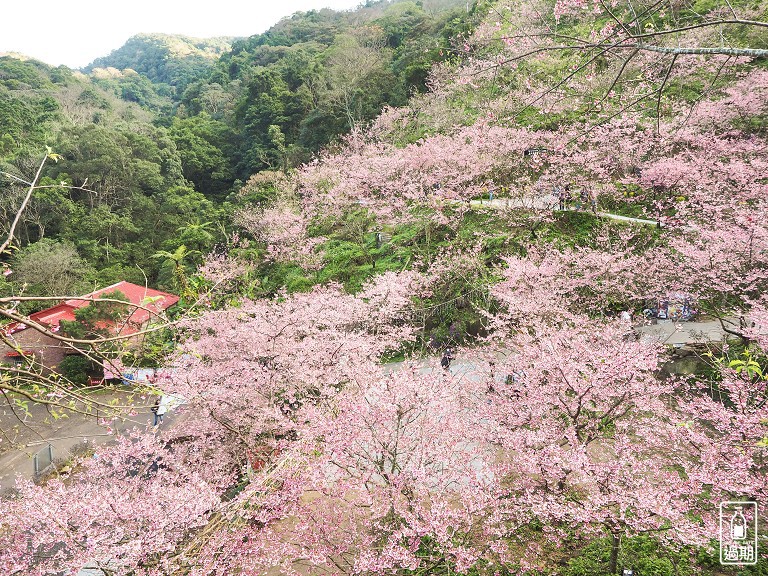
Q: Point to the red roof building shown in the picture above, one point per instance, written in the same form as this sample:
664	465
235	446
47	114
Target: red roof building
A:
149	304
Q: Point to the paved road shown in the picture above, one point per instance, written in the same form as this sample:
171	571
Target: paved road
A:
678	334
38	429
23	435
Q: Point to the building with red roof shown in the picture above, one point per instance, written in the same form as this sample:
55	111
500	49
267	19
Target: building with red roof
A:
148	304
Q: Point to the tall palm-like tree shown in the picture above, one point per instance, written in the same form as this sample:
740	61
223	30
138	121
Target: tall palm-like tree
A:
177	257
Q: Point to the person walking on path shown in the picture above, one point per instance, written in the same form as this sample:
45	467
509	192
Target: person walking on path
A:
445	361
583	200
492	377
159	410
591	197
560	195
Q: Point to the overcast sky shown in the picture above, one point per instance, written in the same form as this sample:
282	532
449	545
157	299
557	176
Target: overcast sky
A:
76	32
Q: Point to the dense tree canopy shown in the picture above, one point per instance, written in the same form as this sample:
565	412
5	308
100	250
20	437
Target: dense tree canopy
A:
321	433
193	113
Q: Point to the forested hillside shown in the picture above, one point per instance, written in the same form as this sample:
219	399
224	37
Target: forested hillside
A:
155	138
174	61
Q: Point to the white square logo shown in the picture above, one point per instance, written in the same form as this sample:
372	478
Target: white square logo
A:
738	533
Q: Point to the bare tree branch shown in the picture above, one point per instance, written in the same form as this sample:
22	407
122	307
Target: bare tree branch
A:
661	92
9	239
708	90
750	52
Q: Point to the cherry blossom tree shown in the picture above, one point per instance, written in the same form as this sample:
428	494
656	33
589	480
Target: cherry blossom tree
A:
396	478
439	172
623	53
283	229
584	421
300	451
245	373
129	506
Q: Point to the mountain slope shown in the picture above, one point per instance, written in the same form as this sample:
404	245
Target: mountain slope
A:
166	58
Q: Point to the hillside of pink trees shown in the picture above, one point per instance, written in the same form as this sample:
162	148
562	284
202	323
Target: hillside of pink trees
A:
320	434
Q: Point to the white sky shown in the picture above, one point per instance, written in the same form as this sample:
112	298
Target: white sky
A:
76	32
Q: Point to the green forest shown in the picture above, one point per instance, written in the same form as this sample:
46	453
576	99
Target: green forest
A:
155	141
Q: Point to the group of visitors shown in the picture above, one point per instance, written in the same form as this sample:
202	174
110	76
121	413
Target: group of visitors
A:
676	308
566	199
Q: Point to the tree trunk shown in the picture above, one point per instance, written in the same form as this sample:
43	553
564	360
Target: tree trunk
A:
615	541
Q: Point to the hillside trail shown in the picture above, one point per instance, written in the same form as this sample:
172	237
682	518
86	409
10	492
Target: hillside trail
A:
550	202
36	430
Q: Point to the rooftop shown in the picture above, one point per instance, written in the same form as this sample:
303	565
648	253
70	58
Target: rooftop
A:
149	302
